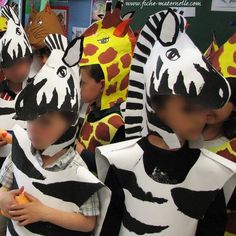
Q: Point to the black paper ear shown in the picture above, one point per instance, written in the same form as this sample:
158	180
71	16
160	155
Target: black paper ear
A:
56	41
168	29
74	52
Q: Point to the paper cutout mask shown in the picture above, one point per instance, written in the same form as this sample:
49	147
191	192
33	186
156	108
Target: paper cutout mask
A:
52	89
42	24
109	43
14	44
211	50
224	59
167	62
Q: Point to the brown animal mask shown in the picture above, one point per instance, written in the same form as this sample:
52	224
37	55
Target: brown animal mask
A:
41	24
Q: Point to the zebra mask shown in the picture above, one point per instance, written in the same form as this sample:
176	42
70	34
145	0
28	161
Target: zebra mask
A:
14	44
167	62
54	88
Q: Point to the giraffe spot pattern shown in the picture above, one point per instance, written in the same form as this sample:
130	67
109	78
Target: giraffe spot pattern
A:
91	30
108	56
111	89
102	131
116	121
90	49
93	144
118	101
113	71
124	83
84	60
86	131
126	60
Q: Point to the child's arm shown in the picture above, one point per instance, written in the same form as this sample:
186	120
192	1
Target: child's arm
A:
214	222
35	211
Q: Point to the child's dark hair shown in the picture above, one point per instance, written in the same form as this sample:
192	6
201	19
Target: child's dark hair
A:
159	100
69	117
229	126
45	51
95	72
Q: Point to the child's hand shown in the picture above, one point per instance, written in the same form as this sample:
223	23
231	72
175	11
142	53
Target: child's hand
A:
7	200
28	213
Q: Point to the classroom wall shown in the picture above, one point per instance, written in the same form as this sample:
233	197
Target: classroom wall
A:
200	30
79	13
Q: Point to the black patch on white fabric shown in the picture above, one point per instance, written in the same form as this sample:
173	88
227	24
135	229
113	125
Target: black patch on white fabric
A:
138	227
11	228
193	203
69	191
6	110
22	162
129	181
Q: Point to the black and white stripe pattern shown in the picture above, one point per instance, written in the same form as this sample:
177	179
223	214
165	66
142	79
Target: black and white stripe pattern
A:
167	62
56	41
14	44
54	88
151	207
66	190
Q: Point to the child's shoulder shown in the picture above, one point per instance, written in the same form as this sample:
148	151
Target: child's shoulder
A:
123	154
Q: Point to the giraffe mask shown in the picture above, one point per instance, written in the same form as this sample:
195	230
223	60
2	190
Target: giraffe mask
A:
224	59
109	42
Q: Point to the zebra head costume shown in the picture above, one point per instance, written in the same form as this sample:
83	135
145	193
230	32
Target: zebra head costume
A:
14	44
52	89
167	62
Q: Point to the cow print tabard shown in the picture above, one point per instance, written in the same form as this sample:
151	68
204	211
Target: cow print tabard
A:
14	43
54	88
66	190
152	207
167	62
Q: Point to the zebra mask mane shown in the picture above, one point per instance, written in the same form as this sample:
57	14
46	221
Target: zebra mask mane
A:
53	89
166	62
14	44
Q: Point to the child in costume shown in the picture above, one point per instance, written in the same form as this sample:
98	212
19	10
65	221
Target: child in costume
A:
40	25
15	61
62	193
220	132
161	186
105	65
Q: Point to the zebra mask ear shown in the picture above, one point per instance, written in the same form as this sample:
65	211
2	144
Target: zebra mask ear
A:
73	52
168	29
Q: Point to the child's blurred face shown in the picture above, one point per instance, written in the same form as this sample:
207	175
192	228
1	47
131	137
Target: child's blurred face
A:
90	89
19	71
186	119
46	130
220	115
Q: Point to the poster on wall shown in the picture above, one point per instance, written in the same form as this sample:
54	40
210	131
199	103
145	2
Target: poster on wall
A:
62	13
223	5
187	11
3	2
98	8
77	31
